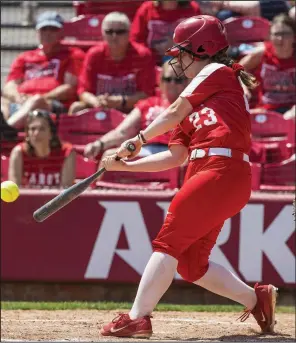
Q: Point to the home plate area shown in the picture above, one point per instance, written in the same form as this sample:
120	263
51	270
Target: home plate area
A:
84	325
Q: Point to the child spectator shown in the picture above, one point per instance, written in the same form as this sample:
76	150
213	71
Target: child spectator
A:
42	160
116	72
43	78
142	115
276	66
155	21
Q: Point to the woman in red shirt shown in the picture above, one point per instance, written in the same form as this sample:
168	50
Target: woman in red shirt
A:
155	21
42	160
275	66
212	127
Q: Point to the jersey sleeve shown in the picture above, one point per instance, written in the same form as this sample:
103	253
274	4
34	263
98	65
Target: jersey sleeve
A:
17	69
205	84
178	137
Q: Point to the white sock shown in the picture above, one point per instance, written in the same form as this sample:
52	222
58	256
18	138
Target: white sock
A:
156	279
221	281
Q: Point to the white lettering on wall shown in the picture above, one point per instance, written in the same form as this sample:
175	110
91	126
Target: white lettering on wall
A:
120	215
272	242
217	255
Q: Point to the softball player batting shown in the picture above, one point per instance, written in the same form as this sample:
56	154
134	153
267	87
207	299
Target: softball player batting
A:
212	127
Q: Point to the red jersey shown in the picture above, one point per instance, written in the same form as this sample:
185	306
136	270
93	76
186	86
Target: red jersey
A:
101	74
150	108
154	26
40	73
220	116
44	171
277	80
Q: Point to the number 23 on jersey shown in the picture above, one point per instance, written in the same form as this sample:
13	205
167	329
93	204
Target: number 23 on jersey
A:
206	117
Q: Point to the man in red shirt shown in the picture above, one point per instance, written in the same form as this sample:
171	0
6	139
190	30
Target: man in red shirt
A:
116	72
155	21
45	78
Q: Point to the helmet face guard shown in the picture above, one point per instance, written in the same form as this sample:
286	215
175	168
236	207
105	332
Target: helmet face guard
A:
176	52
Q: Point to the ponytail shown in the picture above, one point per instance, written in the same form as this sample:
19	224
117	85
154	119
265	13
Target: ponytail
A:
248	79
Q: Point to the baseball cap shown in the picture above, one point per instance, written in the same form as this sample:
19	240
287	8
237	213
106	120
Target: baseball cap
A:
49	19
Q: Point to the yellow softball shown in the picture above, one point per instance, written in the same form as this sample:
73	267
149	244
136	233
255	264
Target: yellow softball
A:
9	191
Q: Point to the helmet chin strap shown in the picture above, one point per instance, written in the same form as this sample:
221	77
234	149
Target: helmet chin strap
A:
178	61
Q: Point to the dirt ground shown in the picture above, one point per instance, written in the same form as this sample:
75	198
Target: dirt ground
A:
83	326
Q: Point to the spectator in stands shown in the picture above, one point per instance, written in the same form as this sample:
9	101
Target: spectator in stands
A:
42	159
116	72
142	115
264	8
128	7
276	66
43	78
155	21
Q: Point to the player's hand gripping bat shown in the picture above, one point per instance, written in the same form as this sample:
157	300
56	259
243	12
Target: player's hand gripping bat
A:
70	193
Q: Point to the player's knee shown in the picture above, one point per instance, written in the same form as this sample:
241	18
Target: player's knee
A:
192	274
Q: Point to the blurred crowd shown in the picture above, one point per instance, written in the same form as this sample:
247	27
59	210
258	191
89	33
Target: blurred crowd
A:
125	69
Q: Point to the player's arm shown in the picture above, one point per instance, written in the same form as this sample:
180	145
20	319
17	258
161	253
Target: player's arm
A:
64	91
252	60
165	160
15	169
68	170
126	129
10	90
168	119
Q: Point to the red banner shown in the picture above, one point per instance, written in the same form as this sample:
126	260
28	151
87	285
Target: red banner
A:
107	236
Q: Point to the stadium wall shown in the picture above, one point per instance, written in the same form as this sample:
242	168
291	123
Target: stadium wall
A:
102	241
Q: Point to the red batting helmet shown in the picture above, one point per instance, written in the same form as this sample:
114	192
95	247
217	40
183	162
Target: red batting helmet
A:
202	36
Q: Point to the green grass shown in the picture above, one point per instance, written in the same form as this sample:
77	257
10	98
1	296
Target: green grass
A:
14	305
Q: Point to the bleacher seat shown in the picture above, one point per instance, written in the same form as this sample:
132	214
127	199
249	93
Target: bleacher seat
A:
246	29
84	167
88	125
129	7
83	31
279	176
274	133
256	169
168	179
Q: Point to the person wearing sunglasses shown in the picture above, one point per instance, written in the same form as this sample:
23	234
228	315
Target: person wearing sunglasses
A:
116	72
42	160
140	117
211	127
44	78
275	67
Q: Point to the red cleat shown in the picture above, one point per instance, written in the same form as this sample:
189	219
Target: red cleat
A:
264	311
123	326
